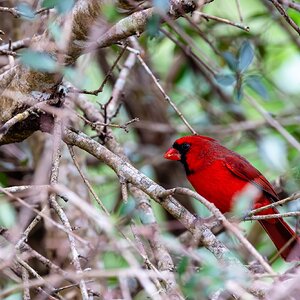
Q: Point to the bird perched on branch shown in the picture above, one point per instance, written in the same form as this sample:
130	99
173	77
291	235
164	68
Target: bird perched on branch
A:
221	176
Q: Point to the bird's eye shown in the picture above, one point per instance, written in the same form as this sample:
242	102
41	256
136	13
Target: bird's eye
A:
185	146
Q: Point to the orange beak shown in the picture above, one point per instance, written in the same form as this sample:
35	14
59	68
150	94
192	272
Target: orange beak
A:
172	154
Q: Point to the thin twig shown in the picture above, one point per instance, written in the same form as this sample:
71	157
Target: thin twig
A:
105	224
210	66
33	223
97	124
8	52
225	21
282	11
22	188
71	150
277	203
108	75
274	123
166	97
215	211
130	272
163	257
16	45
120	84
273	216
54	204
42	214
238	5
25	278
50	288
11	10
290	4
19	118
45	261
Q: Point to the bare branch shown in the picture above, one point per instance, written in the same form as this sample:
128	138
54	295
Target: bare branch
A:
282	11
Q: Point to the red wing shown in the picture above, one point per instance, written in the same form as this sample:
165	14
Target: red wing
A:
243	169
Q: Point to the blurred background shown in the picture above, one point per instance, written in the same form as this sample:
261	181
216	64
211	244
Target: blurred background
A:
232	70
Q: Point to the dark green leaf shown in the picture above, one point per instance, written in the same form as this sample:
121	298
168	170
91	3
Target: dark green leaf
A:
49	3
225	79
62	7
246	55
3	179
26	11
182	265
231	60
40	61
255	83
153	25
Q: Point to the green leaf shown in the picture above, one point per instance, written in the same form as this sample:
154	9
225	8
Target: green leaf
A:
225	79
161	5
255	83
231	60
246	55
26	11
112	260
182	265
62	7
55	30
7	214
153	26
40	61
3	179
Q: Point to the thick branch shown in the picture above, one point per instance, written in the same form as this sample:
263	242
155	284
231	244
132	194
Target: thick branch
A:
148	186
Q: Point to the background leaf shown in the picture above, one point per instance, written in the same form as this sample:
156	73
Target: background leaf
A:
255	83
26	11
231	60
273	151
225	79
62	7
246	55
7	214
40	61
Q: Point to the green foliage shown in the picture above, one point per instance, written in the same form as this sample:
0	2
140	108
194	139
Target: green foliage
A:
255	83
245	56
225	79
153	26
238	77
7	213
182	265
40	61
3	179
26	11
161	5
112	260
55	31
62	7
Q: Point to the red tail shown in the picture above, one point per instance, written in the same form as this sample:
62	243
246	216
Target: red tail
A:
283	237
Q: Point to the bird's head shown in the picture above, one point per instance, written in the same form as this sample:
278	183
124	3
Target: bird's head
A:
187	150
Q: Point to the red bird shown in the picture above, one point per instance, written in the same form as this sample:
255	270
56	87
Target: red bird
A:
219	175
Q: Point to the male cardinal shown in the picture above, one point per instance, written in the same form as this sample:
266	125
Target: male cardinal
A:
220	175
